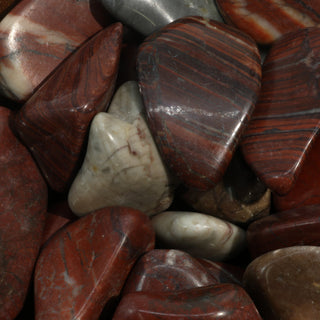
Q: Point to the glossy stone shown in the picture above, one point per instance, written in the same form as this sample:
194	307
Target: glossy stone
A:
294	227
5	6
85	265
167	270
225	301
199	234
36	36
199	81
122	166
147	16
23	205
54	123
284	283
266	20
286	120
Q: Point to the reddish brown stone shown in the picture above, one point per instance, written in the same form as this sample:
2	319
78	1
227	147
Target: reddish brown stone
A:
54	122
5	6
199	81
85	265
225	302
167	270
294	227
286	119
23	205
268	20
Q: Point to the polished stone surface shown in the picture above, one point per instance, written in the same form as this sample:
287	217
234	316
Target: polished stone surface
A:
122	166
267	20
300	226
85	265
164	270
5	6
199	81
23	205
36	36
225	302
199	234
285	283
54	123
286	119
147	16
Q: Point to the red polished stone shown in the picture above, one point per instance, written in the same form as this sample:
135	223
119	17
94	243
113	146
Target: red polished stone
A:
167	270
54	122
268	20
223	272
85	265
286	119
225	301
294	227
36	36
306	190
199	81
23	205
5	6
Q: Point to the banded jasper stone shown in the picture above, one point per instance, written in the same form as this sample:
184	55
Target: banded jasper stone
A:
85	265
5	6
199	81
268	20
54	122
225	302
295	227
286	119
284	284
23	205
36	36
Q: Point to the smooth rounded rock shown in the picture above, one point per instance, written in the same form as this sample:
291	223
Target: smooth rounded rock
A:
285	283
85	265
54	122
122	166
199	234
5	6
199	81
147	16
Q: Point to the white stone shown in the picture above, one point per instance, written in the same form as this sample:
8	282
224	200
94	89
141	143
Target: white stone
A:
199	234
122	166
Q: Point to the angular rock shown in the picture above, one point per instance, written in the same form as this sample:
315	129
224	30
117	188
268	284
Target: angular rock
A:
85	265
167	270
295	227
36	36
284	283
266	21
199	234
122	166
225	302
23	206
54	122
147	16
286	119
199	82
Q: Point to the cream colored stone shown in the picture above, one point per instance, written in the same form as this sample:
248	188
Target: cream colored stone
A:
199	234
122	166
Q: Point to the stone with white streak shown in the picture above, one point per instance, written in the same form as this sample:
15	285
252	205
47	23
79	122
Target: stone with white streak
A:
198	234
122	166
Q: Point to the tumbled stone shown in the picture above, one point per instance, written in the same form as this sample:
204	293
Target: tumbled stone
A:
85	265
122	166
167	270
225	301
5	6
199	81
285	283
266	21
147	16
36	36
294	227
285	121
23	205
199	234
54	123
